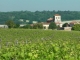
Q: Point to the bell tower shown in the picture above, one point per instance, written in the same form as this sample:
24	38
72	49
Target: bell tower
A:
57	18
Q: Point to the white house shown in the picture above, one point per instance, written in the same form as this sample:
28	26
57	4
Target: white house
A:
46	25
3	26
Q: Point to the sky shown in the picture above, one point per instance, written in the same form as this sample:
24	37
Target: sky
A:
39	5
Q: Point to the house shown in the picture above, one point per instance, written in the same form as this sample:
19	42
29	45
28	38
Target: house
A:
45	25
3	26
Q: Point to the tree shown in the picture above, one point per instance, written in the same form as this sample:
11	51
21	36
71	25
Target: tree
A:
52	25
65	25
17	25
28	26
10	24
40	16
76	27
38	26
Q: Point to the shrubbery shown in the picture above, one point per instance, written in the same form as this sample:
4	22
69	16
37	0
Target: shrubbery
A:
76	27
22	44
38	26
33	26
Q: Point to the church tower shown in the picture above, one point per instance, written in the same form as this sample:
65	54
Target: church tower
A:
57	18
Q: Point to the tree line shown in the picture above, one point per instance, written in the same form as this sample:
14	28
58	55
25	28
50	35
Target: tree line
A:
39	16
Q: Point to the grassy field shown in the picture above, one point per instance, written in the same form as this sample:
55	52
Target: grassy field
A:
23	44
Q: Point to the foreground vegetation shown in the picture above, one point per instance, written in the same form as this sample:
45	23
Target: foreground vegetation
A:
23	44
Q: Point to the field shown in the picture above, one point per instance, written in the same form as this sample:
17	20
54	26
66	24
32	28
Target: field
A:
23	44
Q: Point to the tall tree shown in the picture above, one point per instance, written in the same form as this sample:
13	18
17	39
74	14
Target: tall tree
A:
10	23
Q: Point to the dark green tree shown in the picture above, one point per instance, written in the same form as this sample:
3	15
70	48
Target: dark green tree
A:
10	24
76	27
65	25
52	25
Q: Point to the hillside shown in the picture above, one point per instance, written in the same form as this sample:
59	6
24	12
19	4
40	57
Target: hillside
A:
40	16
23	44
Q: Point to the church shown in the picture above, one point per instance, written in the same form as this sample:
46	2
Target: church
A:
56	18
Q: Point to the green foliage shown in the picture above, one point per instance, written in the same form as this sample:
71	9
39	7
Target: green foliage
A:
40	16
22	44
10	23
17	25
52	25
65	25
28	26
76	27
38	26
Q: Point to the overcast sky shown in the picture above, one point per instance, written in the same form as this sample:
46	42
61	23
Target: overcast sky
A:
40	5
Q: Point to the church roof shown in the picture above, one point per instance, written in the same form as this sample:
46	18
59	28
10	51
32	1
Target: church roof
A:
56	15
50	19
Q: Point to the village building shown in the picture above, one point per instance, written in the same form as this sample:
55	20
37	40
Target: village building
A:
3	26
57	19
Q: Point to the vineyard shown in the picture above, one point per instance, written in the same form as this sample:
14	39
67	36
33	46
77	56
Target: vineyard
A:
25	44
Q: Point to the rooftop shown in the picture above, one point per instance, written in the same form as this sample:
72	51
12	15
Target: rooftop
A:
50	19
57	15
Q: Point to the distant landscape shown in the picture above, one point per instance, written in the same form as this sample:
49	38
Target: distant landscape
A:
39	30
40	16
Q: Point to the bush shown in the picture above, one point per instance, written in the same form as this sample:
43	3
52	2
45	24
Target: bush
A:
38	26
52	25
76	27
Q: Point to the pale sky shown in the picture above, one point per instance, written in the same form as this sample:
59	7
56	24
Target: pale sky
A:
40	5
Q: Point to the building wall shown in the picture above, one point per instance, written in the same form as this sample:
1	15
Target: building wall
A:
67	28
45	26
57	19
3	26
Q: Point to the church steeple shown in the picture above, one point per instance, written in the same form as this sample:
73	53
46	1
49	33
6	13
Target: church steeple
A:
57	18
